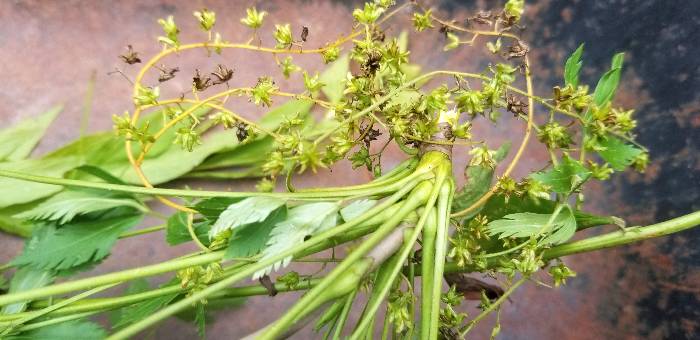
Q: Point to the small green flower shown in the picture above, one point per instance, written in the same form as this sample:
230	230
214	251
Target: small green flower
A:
265	185
122	124
147	95
535	189
188	138
288	67
263	90
641	162
554	135
494	47
514	9
452	42
330	54
312	84
398	310
560	273
274	164
470	101
253	19
369	14
507	187
290	279
206	19
310	158
481	155
423	21
451	298
283	36
600	172
171	32
225	119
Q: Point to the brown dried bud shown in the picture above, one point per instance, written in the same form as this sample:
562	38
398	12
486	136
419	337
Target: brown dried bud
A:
199	83
223	75
130	57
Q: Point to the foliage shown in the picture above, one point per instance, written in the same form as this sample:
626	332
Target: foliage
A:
76	202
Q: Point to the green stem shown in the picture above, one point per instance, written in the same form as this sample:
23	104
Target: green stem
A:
143	231
193	193
343	317
116	277
493	306
323	291
252	268
443	224
618	238
427	265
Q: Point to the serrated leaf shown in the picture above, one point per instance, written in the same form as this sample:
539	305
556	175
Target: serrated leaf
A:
334	78
141	310
356	208
573	67
75	243
250	239
26	278
302	221
66	205
18	141
250	210
176	230
479	178
528	224
69	330
565	177
605	90
618	153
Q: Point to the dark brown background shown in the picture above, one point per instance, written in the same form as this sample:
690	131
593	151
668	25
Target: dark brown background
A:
48	50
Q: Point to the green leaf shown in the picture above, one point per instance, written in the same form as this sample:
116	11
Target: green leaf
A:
528	224
573	67
605	90
211	208
18	141
74	243
356	208
334	78
66	205
176	231
141	310
27	278
251	153
618	153
497	207
247	211
564	178
302	221
479	178
69	330
250	239
15	191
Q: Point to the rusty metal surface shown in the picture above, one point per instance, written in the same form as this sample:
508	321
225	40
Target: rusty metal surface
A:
48	50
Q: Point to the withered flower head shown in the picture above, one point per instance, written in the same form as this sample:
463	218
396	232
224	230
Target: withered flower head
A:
378	34
517	50
167	73
200	83
223	75
483	18
130	57
371	135
304	33
515	105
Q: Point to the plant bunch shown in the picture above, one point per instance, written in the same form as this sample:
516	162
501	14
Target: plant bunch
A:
408	231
